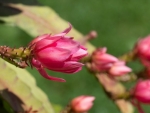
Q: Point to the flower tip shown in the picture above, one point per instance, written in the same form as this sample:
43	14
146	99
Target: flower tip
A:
58	79
62	80
119	70
67	29
90	98
82	103
70	25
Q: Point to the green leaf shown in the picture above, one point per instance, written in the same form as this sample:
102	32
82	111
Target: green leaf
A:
19	88
38	20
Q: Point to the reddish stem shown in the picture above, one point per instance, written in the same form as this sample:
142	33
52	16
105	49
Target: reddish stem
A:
138	106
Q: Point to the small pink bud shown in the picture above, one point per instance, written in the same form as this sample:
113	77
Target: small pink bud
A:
142	50
92	34
82	103
119	68
101	60
101	56
57	53
141	92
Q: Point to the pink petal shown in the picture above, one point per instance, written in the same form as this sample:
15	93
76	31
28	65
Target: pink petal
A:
45	43
102	66
69	67
53	54
82	103
119	70
119	63
79	54
41	70
38	39
72	64
45	75
68	29
82	47
64	32
59	35
69	44
73	70
35	63
105	58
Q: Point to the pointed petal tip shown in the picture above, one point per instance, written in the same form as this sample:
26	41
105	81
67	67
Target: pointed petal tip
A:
58	79
67	29
45	75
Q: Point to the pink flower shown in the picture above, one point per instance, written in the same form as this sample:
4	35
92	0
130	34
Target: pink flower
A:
57	53
82	103
141	92
142	50
101	60
119	68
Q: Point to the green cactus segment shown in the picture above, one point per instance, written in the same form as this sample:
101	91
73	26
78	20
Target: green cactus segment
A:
19	83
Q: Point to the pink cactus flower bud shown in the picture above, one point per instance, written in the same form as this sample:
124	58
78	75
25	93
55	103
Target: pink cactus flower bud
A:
101	60
119	68
57	53
82	103
141	91
142	50
100	56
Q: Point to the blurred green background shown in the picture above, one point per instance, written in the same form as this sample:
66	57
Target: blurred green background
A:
118	23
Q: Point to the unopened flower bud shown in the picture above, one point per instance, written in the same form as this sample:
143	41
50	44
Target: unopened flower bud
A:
57	53
92	34
82	103
101	60
142	50
119	68
141	91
